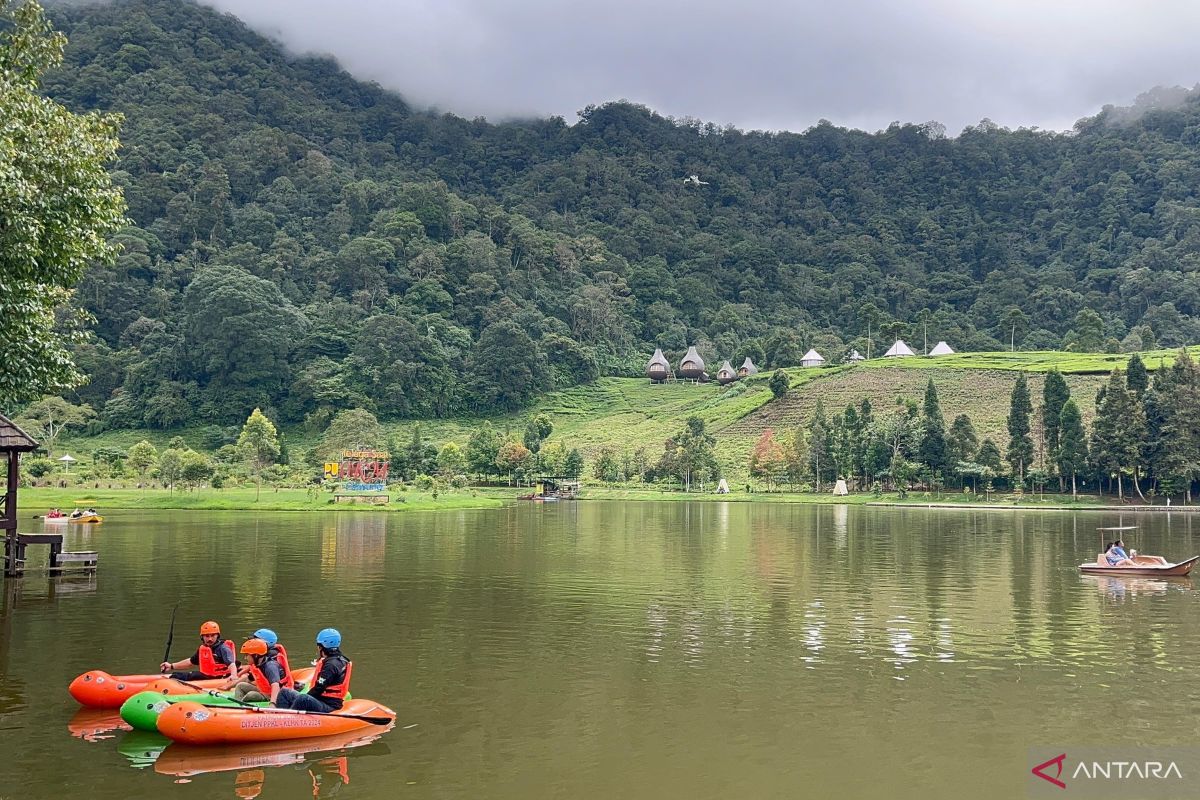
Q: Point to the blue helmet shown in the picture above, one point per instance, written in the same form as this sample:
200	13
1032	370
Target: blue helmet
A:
267	635
329	638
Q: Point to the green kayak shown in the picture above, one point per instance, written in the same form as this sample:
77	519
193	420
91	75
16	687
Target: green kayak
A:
142	710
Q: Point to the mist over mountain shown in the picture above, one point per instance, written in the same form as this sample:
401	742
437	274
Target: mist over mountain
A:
305	241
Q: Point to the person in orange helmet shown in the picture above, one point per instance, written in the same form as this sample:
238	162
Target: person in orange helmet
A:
263	678
213	658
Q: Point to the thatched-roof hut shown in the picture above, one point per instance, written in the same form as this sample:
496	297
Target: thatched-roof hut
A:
726	374
747	368
658	369
898	350
941	349
812	359
692	365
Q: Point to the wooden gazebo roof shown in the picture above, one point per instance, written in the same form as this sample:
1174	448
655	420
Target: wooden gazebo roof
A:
13	439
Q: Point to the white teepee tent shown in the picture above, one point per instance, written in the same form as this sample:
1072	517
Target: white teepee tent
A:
898	349
941	349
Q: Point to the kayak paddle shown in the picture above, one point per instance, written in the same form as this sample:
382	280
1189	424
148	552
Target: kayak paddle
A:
170	635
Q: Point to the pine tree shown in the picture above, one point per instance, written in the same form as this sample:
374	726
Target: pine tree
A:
1179	445
1136	376
1117	431
1072	450
1055	394
819	455
932	452
1020	446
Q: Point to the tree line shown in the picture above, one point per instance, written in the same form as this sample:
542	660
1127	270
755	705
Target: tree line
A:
1144	440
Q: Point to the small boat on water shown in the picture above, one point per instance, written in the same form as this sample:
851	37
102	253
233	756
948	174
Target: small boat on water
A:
192	723
87	518
1143	566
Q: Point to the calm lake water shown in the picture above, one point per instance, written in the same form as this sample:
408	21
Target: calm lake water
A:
609	650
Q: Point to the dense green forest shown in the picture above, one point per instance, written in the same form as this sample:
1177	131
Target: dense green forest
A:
306	242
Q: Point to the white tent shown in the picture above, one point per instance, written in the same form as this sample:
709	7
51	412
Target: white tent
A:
812	359
898	350
941	349
723	487
840	489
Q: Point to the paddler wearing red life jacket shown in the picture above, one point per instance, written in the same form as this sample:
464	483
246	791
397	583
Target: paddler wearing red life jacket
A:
267	672
213	659
331	678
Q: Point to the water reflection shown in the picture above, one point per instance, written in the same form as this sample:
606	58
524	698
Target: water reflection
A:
326	759
598	650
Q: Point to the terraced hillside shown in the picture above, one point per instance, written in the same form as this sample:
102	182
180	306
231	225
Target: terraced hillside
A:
983	394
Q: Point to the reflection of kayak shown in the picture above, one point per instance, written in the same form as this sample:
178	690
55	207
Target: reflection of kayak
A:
95	724
142	748
97	689
1147	566
184	760
192	723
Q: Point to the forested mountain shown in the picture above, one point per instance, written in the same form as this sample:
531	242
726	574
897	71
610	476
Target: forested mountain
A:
305	242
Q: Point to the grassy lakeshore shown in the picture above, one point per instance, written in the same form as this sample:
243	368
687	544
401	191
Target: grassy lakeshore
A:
38	500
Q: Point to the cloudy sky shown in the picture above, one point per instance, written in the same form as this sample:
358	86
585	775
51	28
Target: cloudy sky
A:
770	64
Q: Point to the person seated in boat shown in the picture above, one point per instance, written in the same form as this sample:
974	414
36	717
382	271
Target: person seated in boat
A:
214	658
331	678
263	678
54	513
76	514
91	512
1116	556
275	650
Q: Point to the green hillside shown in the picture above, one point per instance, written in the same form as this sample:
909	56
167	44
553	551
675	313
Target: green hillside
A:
629	413
304	241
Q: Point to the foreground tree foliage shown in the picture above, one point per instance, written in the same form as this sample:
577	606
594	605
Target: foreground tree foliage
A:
58	205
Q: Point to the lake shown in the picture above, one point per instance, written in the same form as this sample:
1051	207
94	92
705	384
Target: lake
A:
623	650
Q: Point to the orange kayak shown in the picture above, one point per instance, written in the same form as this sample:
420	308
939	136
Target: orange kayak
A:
184	761
192	723
97	689
176	687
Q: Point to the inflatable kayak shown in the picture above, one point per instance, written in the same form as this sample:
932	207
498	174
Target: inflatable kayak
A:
141	711
97	689
184	761
192	723
87	518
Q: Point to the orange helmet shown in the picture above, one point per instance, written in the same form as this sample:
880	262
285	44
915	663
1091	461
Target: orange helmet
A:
254	647
210	627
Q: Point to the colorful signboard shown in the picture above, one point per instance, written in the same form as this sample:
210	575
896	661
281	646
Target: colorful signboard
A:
360	470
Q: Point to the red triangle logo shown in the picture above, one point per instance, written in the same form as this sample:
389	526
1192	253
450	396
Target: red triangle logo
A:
1058	762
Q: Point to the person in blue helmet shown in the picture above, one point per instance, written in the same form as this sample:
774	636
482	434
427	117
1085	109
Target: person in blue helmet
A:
331	678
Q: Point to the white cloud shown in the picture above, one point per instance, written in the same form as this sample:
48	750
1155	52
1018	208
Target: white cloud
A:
754	63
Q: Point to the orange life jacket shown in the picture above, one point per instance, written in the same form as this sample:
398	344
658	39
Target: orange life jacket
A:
208	663
281	657
264	685
338	690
